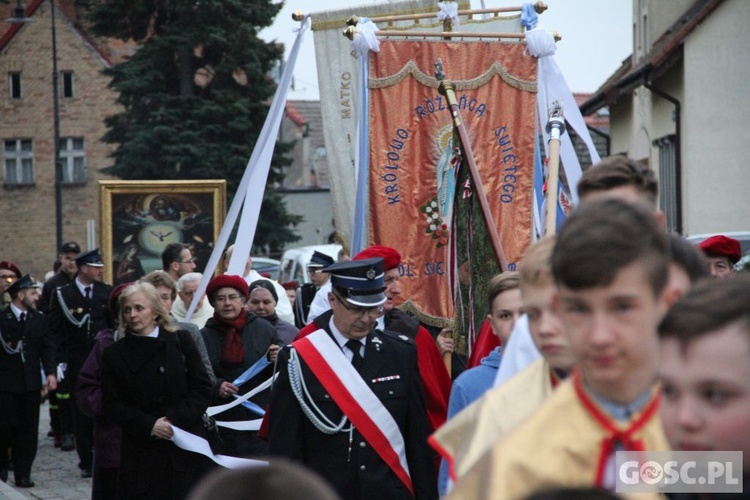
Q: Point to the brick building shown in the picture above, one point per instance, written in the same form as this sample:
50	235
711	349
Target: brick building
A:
27	199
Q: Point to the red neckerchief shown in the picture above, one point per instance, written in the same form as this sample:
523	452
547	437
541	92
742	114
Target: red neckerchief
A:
553	378
234	350
624	437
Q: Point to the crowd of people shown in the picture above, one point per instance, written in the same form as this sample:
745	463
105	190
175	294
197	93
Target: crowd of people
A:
612	336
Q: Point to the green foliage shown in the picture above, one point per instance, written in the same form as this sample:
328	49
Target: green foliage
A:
195	95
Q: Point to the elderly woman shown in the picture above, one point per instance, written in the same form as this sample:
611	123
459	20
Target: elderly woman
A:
236	339
262	303
153	378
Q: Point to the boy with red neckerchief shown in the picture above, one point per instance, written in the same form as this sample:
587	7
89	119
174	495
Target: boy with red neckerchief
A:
610	265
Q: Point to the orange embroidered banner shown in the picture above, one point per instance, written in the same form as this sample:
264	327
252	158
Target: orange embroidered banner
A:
412	187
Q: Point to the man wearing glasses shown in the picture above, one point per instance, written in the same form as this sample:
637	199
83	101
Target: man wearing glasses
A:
177	259
348	401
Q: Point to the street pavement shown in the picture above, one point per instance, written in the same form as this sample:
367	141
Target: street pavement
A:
55	472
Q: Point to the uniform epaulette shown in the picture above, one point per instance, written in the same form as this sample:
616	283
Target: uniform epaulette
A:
398	336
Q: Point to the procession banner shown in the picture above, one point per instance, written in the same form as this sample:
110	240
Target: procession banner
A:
338	81
413	189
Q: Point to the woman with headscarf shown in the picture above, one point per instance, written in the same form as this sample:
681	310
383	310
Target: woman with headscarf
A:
262	302
236	339
152	379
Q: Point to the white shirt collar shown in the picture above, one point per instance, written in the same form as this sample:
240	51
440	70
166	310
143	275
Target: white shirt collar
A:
16	311
153	334
82	287
341	340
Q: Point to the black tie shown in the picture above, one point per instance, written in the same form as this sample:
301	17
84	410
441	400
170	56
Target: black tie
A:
88	292
22	318
354	346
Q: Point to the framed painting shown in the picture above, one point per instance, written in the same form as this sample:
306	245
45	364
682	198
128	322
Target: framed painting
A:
140	218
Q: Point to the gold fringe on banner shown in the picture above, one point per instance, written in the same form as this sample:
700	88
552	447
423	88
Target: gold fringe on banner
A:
412	69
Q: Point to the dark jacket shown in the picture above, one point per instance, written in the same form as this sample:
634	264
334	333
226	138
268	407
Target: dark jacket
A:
354	469
19	374
257	335
75	342
144	379
107	434
52	284
305	295
287	331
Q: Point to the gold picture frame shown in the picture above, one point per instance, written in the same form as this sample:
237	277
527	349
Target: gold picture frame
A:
140	218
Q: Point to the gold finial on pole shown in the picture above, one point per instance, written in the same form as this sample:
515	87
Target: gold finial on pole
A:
540	7
557	36
352	21
350	32
298	15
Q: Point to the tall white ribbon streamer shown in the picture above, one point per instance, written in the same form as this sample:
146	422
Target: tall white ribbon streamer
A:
551	86
449	10
191	442
253	183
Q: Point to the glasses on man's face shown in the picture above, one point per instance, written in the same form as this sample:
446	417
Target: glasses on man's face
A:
228	298
189	261
361	311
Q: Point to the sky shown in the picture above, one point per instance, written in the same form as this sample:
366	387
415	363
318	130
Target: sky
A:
596	38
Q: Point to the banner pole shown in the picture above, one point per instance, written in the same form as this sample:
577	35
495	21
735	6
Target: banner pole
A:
447	89
555	128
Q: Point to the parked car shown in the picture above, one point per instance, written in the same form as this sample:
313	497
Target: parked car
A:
294	261
264	265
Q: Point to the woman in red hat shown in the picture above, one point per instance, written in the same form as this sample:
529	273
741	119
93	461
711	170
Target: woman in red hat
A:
235	340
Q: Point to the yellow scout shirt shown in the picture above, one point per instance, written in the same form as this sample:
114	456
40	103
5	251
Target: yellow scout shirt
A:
561	445
476	429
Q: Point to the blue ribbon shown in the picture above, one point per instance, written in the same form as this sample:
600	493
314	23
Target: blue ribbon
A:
248	374
360	205
529	17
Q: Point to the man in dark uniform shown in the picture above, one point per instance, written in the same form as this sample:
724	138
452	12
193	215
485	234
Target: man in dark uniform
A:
26	344
78	311
65	275
348	402
306	292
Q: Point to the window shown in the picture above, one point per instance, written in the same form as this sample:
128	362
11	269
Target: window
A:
73	159
68	89
14	84
18	162
668	179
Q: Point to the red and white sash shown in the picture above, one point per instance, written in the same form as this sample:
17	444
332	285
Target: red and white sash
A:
355	398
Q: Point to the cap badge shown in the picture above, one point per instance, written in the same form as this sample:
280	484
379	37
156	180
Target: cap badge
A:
371	274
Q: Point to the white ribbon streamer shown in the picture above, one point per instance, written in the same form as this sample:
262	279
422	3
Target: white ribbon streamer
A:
365	40
449	10
255	176
195	444
551	86
215	410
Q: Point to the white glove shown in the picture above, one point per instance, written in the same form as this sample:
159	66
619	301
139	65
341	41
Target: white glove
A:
61	371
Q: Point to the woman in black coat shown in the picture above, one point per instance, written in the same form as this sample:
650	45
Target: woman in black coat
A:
153	378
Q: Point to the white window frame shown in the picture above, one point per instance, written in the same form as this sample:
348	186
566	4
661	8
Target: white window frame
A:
73	160
18	161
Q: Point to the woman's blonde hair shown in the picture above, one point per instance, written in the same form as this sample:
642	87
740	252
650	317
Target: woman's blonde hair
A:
163	320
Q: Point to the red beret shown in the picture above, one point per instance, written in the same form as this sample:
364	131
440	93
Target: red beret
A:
722	246
290	285
390	255
224	281
114	296
6	264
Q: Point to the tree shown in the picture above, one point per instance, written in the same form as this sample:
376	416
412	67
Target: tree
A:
196	94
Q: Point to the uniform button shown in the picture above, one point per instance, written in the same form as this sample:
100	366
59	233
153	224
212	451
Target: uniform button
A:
390	393
362	467
327	396
362	444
